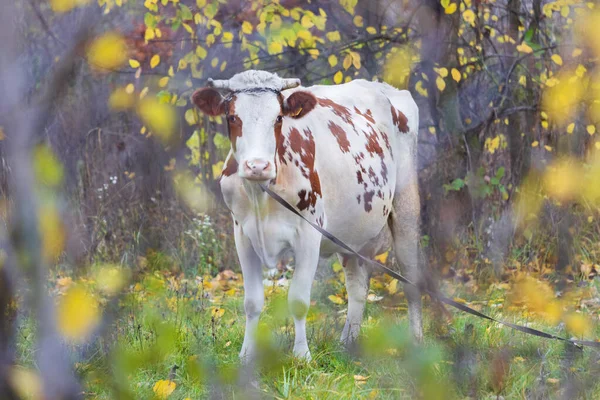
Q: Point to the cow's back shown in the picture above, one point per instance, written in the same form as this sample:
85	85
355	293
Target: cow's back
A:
365	142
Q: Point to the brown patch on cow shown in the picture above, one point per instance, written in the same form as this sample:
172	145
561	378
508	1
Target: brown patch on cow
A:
299	104
231	167
385	210
209	101
384	171
400	120
340	136
368	115
359	177
304	147
373	146
368	199
386	140
338	109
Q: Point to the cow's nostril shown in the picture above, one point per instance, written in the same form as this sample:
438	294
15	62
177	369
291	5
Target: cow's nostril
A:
257	166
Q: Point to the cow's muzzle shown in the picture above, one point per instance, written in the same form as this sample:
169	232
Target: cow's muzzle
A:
258	170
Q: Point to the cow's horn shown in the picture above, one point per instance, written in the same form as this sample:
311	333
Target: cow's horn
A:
290	83
219	84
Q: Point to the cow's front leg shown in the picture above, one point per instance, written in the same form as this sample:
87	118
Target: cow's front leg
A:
307	259
254	294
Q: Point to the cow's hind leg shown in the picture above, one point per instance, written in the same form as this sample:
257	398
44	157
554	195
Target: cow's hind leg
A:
404	223
357	286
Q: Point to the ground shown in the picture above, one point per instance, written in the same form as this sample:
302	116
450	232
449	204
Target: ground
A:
177	335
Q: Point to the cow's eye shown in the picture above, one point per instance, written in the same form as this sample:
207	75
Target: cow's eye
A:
279	119
231	118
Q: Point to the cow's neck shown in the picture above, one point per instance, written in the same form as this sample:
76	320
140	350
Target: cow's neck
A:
258	200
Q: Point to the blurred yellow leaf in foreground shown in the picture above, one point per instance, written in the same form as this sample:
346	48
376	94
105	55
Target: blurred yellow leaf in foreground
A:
159	117
26	383
78	314
107	52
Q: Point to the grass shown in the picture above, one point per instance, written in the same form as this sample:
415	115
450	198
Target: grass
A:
167	321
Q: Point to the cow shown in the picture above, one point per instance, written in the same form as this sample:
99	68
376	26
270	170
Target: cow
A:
345	157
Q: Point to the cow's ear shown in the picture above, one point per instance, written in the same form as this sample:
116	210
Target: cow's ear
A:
209	101
299	104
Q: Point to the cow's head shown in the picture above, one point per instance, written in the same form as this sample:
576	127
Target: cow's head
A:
254	109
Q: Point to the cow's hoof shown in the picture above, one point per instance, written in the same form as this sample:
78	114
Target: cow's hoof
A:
302	353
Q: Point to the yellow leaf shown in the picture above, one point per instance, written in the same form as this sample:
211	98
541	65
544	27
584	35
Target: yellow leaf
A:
306	22
535	143
561	100
63	6
455	74
523	80
562	180
443	72
190	116
371	30
393	286
349	5
162	82
355	59
335	299
46	166
360	380
121	99
557	59
333	36
247	27
149	34
275	48
163	388
524	48
107	52
111	279
397	68
420	89
439	82
578	324
26	383
159	117
201	52
347	61
77	314
358	21
591	129
217	169
382	258
2	134
571	127
333	60
576	53
134	63
337	78
154	61
451	9
217	312
469	17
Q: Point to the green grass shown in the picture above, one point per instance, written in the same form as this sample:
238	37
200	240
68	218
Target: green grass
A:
165	323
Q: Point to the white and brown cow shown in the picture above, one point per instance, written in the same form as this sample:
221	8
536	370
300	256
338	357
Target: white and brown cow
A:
345	156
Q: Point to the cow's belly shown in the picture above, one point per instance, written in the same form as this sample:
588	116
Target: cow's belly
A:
357	212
